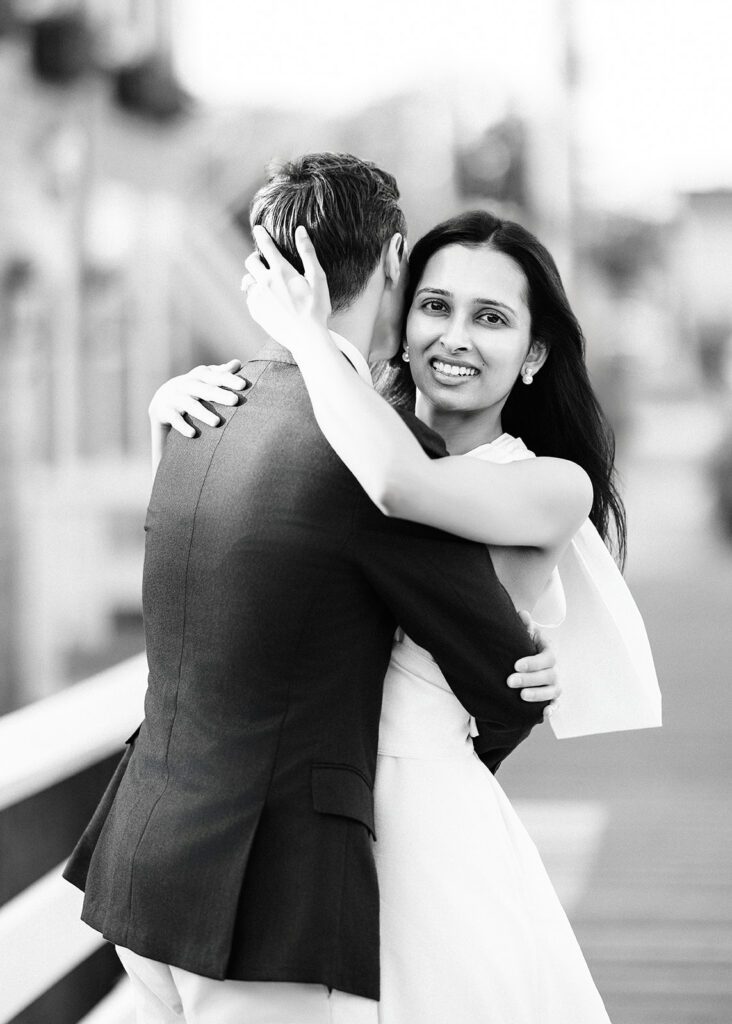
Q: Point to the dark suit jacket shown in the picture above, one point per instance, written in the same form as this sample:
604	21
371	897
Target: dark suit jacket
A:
235	838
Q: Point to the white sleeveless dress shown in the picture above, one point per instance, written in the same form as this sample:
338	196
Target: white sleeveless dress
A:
472	931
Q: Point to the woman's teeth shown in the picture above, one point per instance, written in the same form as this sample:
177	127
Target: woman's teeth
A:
454	371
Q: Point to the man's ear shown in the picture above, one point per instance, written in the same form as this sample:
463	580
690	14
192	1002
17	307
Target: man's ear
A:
395	256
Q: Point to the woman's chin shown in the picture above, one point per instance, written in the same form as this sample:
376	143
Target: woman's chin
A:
449	395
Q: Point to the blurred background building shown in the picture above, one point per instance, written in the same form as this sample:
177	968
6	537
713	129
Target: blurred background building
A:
124	209
133	134
132	138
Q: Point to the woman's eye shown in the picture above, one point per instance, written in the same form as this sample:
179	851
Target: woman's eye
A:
433	306
492	318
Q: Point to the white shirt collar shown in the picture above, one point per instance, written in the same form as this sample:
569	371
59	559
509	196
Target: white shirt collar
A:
354	357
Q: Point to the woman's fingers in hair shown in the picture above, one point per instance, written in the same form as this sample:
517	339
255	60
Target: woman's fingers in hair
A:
306	251
314	273
268	249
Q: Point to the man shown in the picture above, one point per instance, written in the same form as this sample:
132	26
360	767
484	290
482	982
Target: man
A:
231	858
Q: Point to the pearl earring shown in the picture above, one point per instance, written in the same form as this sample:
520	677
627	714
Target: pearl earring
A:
527	375
405	355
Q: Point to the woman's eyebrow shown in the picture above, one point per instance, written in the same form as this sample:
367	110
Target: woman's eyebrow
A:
481	302
435	291
495	302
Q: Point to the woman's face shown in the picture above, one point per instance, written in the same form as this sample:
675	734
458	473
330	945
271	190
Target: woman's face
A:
469	328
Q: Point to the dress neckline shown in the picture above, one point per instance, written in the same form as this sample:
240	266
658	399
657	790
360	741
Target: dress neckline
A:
503	440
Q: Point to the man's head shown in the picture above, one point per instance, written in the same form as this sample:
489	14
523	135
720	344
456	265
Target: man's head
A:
350	208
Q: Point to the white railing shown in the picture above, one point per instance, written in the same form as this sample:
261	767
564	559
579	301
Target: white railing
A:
41	935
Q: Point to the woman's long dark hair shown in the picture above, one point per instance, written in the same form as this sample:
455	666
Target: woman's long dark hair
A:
559	414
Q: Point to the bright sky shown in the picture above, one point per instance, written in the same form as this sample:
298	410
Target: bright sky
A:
656	101
655	75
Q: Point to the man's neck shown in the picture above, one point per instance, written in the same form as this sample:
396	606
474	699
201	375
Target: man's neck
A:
356	327
357	323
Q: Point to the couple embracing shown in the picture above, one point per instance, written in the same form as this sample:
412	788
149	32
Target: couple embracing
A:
306	827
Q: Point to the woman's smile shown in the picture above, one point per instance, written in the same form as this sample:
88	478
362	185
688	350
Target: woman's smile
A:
451	372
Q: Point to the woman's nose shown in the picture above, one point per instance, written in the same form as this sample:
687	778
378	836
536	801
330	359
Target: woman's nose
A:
455	338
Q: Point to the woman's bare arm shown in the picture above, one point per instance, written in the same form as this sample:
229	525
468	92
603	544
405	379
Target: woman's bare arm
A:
534	503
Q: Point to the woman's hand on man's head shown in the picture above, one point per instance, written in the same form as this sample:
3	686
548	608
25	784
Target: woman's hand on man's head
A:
286	304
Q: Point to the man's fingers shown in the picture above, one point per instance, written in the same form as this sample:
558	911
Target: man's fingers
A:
532	694
532	630
527	620
535	633
535	662
543	677
541	642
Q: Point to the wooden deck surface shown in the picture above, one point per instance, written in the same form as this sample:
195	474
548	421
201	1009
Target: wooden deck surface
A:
654	909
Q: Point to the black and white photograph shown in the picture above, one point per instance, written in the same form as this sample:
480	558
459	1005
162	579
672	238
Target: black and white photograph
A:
365	512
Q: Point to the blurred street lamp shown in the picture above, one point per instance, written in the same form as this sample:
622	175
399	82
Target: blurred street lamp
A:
150	89
61	47
494	167
8	17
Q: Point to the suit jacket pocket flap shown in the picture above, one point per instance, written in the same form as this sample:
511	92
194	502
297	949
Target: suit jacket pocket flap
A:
339	789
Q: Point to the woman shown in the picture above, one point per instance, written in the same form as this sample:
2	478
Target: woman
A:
466	904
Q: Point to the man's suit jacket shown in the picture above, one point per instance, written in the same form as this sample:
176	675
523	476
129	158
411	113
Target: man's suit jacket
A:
235	839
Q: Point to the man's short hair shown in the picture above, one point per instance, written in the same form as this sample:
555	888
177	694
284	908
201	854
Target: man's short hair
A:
350	208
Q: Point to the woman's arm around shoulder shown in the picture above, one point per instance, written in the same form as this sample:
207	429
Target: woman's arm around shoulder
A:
535	503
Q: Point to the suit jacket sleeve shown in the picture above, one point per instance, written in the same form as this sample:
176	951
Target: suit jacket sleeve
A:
445	594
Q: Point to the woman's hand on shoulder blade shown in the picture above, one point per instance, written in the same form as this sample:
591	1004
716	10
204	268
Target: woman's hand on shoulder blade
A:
183	396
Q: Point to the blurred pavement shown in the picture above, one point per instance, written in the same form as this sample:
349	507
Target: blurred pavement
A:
653	907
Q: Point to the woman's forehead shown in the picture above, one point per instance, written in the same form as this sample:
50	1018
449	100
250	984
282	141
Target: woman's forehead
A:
476	272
